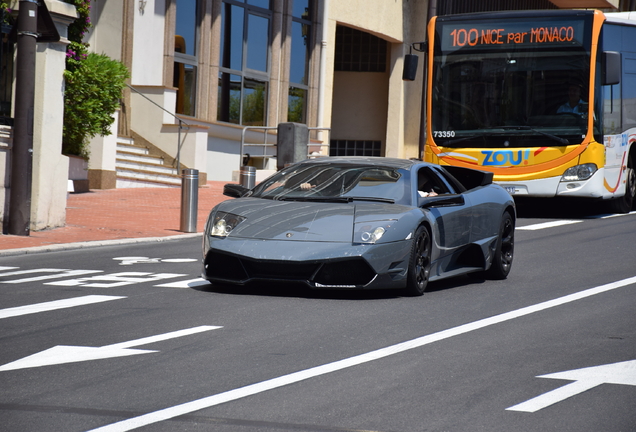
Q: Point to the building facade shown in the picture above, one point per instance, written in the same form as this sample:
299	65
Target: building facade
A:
212	79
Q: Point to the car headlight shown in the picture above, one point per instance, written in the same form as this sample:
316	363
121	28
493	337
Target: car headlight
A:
370	232
223	224
579	172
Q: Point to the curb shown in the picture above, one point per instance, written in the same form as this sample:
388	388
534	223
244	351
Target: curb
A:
93	244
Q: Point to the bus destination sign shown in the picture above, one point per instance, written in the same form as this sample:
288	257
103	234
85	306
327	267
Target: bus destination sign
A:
501	34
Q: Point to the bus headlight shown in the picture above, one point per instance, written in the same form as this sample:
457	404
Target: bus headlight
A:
579	172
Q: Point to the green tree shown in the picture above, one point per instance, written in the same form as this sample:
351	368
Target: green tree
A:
91	97
94	83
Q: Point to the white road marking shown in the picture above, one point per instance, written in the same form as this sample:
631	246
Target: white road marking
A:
557	223
210	401
190	283
54	305
58	273
179	260
7	268
61	354
545	225
584	379
116	279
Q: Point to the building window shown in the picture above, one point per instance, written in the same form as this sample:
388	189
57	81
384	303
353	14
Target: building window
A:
299	62
185	56
244	71
355	148
358	51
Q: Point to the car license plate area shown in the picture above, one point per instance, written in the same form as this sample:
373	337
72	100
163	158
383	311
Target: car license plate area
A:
515	189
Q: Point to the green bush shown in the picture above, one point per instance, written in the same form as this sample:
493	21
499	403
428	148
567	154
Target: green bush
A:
93	90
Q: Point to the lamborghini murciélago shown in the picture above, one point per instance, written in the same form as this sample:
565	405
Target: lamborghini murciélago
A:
361	223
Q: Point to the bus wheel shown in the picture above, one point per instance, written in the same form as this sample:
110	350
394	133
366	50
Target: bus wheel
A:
625	203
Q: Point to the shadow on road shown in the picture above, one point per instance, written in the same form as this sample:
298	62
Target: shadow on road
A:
560	208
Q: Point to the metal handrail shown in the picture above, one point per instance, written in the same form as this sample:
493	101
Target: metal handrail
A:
181	123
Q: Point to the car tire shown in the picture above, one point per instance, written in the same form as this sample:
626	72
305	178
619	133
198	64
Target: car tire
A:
625	203
419	263
504	250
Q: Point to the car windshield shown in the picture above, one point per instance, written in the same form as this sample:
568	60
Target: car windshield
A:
335	182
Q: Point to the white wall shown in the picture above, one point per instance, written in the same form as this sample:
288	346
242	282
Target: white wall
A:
148	43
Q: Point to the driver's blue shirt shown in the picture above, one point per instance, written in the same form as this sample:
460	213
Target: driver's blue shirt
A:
566	108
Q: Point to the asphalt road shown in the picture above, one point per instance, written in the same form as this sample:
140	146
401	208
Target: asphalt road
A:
126	337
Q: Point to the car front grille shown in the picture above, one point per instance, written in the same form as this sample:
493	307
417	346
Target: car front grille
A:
354	272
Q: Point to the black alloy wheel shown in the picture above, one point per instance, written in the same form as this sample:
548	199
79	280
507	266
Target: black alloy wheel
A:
504	250
420	263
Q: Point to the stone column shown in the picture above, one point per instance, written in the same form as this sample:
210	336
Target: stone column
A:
50	167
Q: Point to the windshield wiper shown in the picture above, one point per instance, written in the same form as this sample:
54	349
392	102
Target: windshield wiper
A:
554	137
374	199
456	140
313	198
341	199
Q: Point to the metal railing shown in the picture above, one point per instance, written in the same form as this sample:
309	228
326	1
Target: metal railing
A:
181	123
189	177
265	144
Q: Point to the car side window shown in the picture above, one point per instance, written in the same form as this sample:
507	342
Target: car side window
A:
429	183
454	185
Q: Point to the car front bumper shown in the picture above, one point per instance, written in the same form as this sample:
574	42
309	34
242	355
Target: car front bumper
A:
328	265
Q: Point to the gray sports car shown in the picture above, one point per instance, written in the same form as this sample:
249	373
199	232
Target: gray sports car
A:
361	222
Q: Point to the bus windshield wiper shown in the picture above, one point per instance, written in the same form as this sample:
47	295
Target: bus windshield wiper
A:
528	128
456	140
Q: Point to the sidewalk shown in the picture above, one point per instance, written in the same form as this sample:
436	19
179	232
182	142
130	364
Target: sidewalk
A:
117	216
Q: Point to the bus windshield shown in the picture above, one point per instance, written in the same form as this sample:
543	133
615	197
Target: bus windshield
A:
516	83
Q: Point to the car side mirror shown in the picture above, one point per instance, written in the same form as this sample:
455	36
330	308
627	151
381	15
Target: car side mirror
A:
234	190
441	201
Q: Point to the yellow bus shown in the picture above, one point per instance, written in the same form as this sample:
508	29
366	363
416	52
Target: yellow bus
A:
545	100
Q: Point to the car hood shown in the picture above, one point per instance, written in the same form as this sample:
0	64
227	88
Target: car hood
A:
301	221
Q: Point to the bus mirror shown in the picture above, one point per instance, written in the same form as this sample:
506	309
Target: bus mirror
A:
410	67
611	67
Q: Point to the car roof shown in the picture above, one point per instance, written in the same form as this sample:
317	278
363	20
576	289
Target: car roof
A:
366	160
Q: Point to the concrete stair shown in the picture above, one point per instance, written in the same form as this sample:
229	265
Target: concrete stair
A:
136	167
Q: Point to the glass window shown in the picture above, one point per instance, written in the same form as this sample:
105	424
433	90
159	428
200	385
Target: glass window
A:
186	26
358	51
299	53
355	148
301	9
296	103
244	71
260	3
253	113
229	102
299	62
257	42
232	18
185	56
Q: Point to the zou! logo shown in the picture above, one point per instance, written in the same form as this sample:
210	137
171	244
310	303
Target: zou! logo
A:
505	157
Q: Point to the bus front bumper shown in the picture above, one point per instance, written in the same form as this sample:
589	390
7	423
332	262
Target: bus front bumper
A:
553	187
